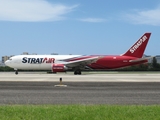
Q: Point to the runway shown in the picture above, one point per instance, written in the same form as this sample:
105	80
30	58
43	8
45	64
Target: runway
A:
119	89
86	77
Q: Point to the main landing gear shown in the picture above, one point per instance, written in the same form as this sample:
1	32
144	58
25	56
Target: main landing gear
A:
77	72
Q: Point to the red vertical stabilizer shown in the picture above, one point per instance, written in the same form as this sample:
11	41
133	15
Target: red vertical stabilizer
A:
139	47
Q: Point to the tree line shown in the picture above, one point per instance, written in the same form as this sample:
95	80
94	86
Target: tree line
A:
153	66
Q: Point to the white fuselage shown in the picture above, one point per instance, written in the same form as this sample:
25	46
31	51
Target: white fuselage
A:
36	62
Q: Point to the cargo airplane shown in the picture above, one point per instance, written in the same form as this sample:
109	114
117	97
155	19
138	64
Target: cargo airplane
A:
77	63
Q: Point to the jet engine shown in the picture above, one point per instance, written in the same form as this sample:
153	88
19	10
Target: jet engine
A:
59	68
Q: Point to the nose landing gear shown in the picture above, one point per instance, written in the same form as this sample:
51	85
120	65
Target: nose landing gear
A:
16	72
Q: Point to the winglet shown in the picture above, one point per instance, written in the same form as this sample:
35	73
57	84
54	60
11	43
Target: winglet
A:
139	47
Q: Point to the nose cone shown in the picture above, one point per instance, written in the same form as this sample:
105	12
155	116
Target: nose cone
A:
7	63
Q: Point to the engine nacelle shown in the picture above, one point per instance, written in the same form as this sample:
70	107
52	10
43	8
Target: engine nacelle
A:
59	68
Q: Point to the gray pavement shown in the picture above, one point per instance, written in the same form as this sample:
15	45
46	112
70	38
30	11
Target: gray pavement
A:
39	88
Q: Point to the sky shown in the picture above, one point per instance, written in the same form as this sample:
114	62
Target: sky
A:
80	27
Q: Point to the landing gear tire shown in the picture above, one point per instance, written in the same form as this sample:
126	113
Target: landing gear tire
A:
16	72
77	72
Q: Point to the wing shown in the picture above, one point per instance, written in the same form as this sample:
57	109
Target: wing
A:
141	59
82	62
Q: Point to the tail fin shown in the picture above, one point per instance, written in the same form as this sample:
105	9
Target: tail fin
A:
139	47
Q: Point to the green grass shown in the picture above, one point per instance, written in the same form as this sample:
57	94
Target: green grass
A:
79	112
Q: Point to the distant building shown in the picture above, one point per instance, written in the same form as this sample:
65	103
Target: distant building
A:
54	53
25	53
34	53
2	64
157	58
4	58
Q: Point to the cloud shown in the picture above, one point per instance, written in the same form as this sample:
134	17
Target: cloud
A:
148	17
33	10
94	20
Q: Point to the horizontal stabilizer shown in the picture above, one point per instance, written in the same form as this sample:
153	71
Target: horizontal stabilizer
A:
141	59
